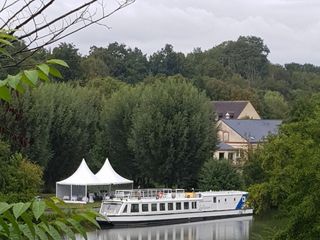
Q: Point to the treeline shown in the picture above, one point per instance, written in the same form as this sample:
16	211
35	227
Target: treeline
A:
232	70
158	133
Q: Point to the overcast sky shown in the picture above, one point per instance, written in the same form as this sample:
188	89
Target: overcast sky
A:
290	28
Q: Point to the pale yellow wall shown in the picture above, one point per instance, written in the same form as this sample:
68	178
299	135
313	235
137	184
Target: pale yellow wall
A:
250	112
233	136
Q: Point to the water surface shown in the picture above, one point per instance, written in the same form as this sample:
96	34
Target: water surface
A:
223	229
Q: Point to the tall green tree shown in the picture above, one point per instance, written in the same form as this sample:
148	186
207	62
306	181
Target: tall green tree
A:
167	62
172	133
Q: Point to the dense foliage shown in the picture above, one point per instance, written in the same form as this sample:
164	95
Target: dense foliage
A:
219	174
290	165
31	220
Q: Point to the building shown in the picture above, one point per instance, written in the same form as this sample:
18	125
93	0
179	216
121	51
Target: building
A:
234	110
238	136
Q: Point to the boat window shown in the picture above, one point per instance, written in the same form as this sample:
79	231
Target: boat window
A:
125	209
145	207
170	206
186	205
194	205
134	207
214	199
111	208
219	201
225	199
234	199
178	206
162	207
153	207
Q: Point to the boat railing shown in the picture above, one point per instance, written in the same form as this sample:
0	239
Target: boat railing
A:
150	193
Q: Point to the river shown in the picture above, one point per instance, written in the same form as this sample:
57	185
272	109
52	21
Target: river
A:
241	228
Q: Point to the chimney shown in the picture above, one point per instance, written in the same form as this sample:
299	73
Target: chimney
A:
227	116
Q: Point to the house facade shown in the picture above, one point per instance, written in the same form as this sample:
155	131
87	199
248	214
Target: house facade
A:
234	110
238	136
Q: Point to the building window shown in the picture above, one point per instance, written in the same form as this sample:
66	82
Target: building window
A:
214	199
162	207
221	155
125	208
153	207
194	205
170	206
145	208
186	205
231	115
178	206
230	156
225	136
134	207
220	115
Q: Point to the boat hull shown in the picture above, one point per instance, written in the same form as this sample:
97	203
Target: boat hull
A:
162	219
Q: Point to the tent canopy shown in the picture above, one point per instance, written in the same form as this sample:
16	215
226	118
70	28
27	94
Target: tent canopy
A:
82	176
107	175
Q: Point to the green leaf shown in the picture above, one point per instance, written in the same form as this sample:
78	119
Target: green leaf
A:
7	36
4	207
5	93
13	80
77	226
4	225
38	208
40	233
32	76
43	76
58	62
44	68
19	208
12	220
55	72
89	219
54	207
54	233
26	231
15	234
5	42
19	88
26	218
5	52
63	227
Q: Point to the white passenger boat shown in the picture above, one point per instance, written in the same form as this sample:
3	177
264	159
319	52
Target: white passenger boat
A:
156	206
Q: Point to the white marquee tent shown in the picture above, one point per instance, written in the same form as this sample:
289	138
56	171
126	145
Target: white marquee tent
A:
75	187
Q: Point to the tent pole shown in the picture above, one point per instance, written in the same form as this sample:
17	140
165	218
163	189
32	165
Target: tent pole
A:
71	193
86	193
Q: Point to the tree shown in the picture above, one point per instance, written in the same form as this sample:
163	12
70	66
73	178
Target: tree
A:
167	62
246	56
291	167
172	132
69	53
275	107
219	175
119	61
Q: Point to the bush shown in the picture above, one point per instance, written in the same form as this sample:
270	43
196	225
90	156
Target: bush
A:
21	179
219	175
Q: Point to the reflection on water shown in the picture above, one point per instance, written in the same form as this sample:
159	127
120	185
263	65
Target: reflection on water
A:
224	229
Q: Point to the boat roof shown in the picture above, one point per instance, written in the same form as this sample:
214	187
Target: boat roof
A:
222	193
